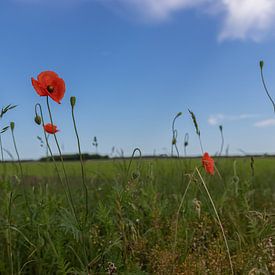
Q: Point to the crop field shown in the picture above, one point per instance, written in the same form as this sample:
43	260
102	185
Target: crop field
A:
145	216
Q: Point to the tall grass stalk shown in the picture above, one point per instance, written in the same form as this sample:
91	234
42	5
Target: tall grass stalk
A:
198	132
218	218
2	157
73	100
63	166
9	238
178	212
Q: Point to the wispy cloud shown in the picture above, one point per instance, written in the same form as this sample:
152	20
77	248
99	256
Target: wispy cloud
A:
240	19
265	123
220	118
154	10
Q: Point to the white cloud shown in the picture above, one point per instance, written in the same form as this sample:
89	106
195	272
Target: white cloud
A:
265	123
247	18
220	118
240	19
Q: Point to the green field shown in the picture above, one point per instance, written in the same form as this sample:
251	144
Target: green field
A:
140	218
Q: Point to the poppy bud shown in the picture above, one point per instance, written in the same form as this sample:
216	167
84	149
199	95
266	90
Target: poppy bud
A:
174	141
12	125
37	119
179	114
135	175
73	100
261	64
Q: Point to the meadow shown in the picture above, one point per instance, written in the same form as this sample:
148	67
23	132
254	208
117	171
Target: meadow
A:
135	215
141	218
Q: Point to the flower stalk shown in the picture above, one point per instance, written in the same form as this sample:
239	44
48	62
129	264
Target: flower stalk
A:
73	101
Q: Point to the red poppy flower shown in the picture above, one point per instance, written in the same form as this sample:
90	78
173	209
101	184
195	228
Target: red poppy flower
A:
48	83
208	164
50	128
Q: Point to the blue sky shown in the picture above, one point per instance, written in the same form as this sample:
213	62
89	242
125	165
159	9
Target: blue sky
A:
133	64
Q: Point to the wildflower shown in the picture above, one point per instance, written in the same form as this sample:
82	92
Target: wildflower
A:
208	163
50	128
48	83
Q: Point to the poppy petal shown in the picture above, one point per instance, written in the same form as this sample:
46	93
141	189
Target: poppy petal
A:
59	89
47	77
50	128
208	164
40	90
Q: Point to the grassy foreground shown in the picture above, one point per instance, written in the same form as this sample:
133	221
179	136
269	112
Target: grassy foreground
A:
141	220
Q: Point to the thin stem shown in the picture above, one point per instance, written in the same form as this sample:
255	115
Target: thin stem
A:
200	143
17	154
218	218
1	147
174	135
2	157
63	166
186	141
9	244
46	139
82	166
266	90
178	212
21	172
222	137
132	157
38	106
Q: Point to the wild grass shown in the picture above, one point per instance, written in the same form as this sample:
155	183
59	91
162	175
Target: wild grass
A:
133	218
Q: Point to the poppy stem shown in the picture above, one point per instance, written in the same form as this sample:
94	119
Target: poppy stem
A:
131	160
82	165
17	154
174	135
265	87
21	170
63	166
46	139
221	131
218	218
38	106
186	141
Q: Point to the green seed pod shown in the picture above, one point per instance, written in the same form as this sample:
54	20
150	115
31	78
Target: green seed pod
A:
135	175
179	114
37	119
73	100
261	64
12	125
174	141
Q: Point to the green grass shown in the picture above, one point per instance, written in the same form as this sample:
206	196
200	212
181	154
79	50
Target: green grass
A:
133	216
